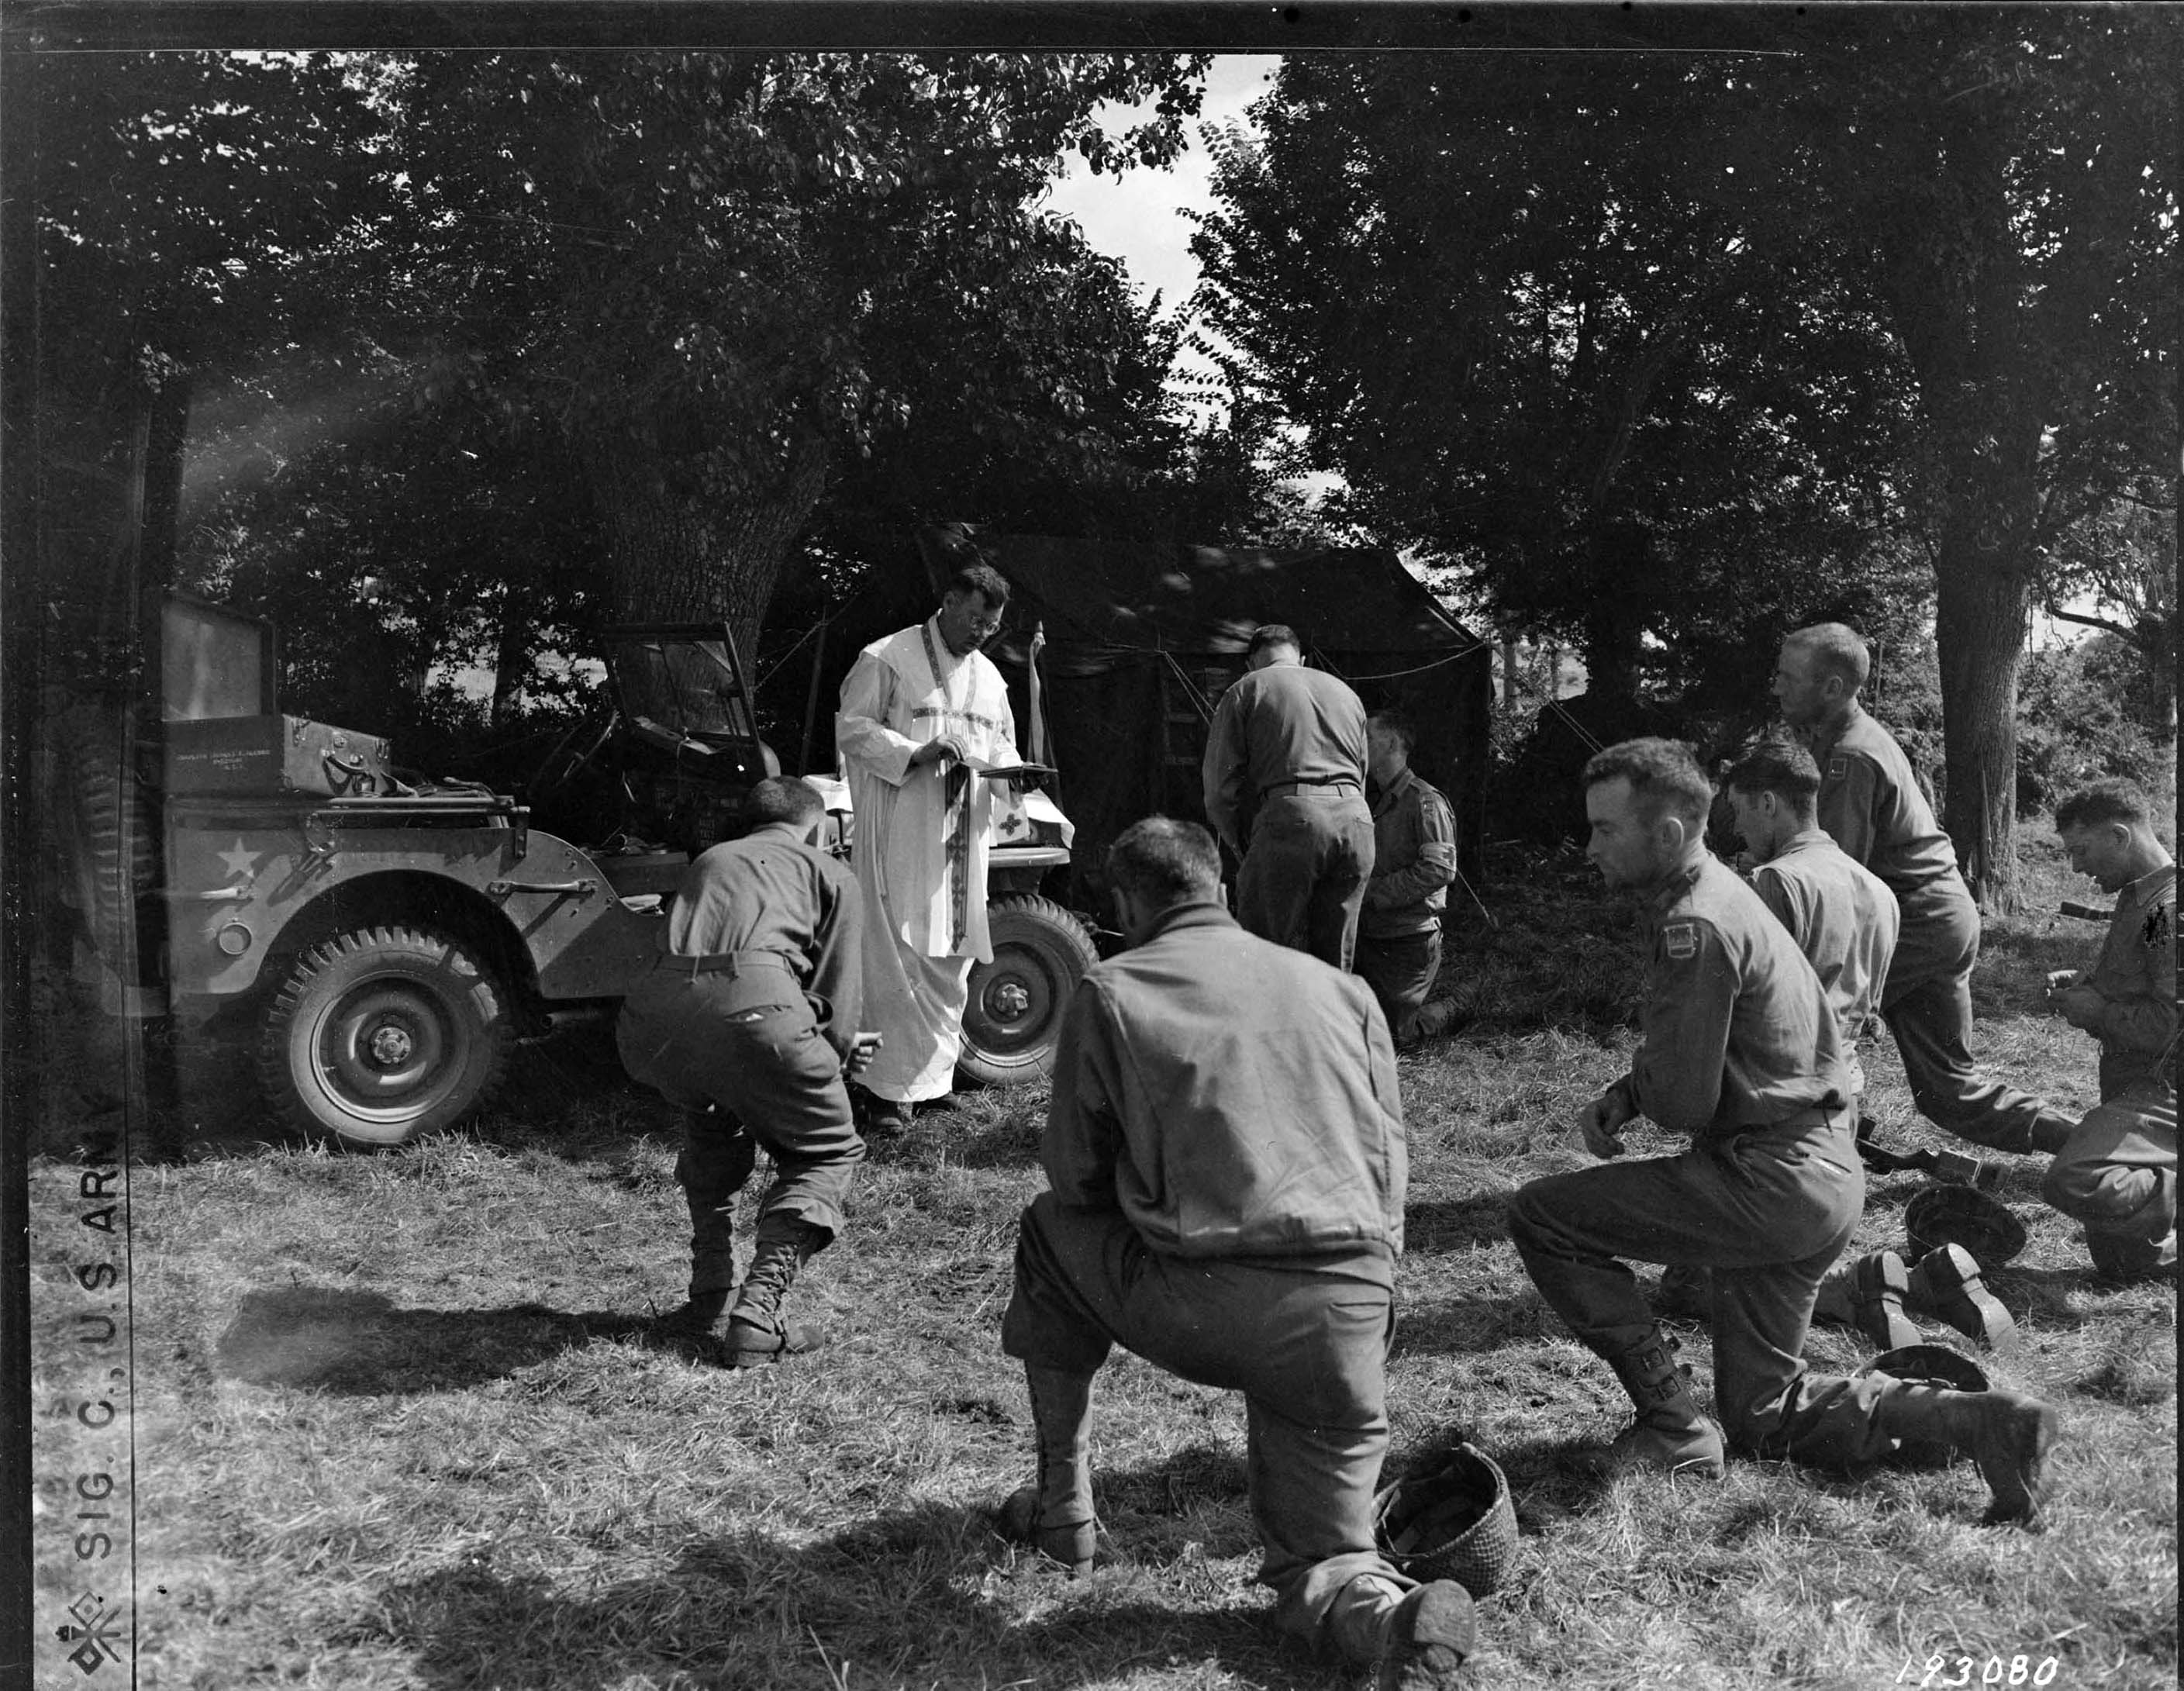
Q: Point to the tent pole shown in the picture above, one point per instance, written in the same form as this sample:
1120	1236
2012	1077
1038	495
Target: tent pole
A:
811	697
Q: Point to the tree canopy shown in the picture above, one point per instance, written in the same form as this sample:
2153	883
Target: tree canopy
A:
660	304
1673	352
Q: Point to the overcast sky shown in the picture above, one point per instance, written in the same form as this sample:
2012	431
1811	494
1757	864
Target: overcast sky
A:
1134	216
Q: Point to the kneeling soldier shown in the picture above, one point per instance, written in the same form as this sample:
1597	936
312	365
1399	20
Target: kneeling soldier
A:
1740	1049
1224	1153
748	1025
2117	1172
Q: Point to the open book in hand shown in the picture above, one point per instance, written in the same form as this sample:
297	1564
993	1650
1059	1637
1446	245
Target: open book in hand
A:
1029	773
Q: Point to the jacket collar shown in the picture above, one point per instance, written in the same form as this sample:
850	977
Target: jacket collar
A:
1199	913
1385	797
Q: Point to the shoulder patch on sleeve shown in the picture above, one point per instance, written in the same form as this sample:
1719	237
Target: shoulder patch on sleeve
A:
1838	768
1680	938
2155	932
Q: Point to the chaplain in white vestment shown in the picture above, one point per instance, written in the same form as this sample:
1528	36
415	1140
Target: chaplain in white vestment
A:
923	711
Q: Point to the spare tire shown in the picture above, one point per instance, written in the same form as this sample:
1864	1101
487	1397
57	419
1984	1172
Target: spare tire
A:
1012	1020
112	843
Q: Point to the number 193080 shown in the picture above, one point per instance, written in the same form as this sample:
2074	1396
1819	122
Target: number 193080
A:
2017	1670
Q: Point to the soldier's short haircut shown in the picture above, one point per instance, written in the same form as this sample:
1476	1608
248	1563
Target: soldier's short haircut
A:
983	579
1165	860
1663	773
1271	634
782	798
1781	766
1395	723
1836	649
2113	801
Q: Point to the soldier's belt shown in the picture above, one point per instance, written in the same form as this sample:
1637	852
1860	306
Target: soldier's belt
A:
724	962
1274	787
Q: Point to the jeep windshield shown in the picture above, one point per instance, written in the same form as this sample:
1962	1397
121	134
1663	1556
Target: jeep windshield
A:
686	684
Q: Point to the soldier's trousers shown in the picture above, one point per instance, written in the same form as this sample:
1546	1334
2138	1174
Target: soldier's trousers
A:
1304	874
705	1046
1927	1003
1401	969
2117	1174
1766	1213
1306	1346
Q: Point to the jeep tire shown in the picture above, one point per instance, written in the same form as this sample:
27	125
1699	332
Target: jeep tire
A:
1012	1018
381	1034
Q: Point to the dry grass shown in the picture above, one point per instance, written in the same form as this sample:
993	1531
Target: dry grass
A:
397	1425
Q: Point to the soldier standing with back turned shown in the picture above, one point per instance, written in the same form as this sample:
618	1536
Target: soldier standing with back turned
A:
1291	741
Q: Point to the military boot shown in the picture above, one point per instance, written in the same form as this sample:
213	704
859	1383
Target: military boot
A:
2128	1250
1946	1284
1671	1432
1870	1295
2008	1433
716	1159
1054	1514
1415	1640
757	1334
2119	1260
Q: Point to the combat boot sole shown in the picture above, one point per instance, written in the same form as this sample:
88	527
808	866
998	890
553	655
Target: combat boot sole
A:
1879	1286
1070	1543
1429	1634
1946	1284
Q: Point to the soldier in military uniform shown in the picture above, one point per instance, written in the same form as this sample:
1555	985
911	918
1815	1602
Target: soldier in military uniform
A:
1871	806
1844	920
1225	1164
748	1024
1842	915
1399	936
2117	1171
1289	741
1741	1051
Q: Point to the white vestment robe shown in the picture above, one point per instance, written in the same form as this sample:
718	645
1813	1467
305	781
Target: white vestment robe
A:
921	845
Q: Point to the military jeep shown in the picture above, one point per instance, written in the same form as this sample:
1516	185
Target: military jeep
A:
386	937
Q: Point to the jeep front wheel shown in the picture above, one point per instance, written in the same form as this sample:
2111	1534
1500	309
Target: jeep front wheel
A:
381	1034
1012	1019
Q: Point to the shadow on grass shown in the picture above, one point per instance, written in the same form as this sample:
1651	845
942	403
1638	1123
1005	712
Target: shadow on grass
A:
929	1596
361	1344
2061	1299
1456	1224
1471	1325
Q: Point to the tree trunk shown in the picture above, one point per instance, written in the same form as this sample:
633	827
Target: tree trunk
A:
1981	614
680	554
510	654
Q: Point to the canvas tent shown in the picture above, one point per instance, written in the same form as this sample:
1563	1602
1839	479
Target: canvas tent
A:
1141	640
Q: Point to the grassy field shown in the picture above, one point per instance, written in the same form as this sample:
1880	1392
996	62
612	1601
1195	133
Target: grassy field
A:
396	1423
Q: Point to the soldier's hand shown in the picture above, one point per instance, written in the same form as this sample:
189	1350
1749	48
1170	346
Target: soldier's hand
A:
1601	1124
2078	1006
862	1047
